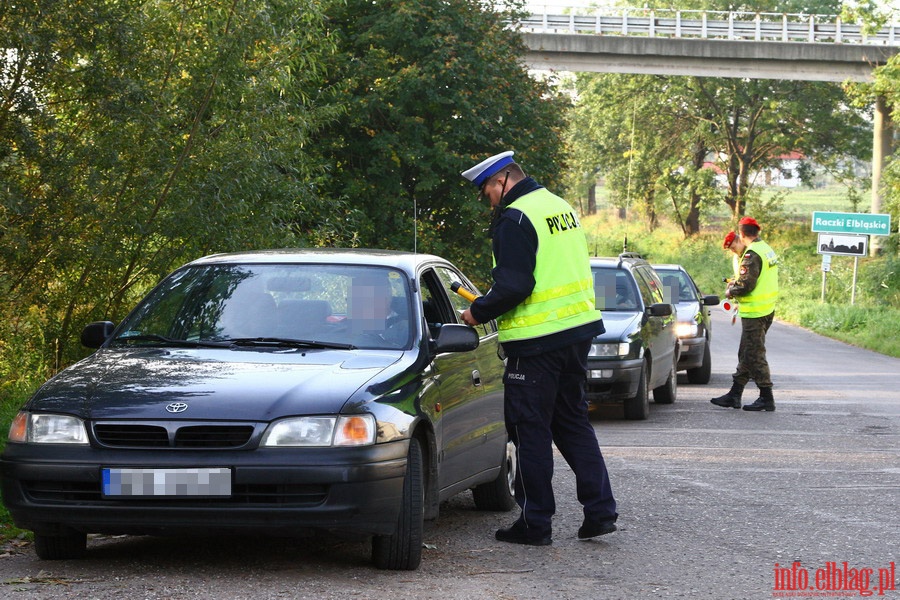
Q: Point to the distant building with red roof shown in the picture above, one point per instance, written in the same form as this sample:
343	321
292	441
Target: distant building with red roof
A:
784	172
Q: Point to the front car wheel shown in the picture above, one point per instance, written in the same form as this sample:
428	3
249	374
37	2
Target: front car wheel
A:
402	550
638	407
60	547
666	393
703	373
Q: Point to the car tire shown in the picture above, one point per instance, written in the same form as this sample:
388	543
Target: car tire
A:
638	407
60	547
667	392
402	550
703	373
499	494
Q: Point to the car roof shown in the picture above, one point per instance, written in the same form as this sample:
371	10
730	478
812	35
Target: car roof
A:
626	259
604	261
407	261
668	267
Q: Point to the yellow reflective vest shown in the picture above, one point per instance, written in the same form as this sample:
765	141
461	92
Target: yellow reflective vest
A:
761	301
563	294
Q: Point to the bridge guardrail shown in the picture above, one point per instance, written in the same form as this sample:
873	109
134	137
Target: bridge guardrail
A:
711	25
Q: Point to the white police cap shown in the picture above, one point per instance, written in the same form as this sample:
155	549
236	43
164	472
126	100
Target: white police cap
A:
486	168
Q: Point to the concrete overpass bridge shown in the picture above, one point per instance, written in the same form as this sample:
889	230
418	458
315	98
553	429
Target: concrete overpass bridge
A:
716	44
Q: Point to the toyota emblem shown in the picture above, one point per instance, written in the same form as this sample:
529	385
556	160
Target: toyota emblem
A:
176	407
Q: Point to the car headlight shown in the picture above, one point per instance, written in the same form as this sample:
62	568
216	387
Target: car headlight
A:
617	350
344	430
39	428
686	329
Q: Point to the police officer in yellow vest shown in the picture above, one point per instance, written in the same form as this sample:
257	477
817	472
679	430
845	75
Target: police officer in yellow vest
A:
756	287
543	299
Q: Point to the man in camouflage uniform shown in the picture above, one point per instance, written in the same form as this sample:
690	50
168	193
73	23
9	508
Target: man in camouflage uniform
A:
756	286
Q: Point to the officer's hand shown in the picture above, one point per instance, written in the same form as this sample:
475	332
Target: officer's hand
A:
468	318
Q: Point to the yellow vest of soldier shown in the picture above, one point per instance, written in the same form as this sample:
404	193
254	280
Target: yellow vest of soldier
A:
761	301
563	296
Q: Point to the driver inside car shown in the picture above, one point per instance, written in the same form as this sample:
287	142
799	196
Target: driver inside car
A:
372	316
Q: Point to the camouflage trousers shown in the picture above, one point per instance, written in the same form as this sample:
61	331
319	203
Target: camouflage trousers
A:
752	363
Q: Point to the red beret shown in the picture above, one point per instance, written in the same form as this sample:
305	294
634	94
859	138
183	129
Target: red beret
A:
729	238
748	221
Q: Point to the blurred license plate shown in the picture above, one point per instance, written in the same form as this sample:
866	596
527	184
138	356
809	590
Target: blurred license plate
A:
167	482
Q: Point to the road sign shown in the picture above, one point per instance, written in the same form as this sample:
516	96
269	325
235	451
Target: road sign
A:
844	245
864	223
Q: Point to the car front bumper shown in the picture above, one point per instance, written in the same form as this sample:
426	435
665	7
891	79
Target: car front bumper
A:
278	490
612	381
691	353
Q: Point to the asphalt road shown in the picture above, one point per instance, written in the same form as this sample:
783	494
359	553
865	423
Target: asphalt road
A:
714	503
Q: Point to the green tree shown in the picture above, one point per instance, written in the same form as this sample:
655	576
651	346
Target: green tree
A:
755	121
743	124
639	131
433	86
135	135
887	84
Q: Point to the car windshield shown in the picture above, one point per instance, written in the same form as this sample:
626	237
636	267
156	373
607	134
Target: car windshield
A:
676	286
283	305
614	290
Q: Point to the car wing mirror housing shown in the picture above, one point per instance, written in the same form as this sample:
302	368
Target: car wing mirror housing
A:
94	334
456	338
710	300
659	310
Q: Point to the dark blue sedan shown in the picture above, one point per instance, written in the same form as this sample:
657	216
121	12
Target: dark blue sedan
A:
285	392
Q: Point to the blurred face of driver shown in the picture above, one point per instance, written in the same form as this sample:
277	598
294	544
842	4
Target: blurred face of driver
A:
370	302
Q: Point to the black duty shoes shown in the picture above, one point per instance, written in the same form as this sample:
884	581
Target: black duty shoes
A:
518	533
590	529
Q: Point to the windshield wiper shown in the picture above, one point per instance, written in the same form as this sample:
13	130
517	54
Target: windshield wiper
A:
155	337
274	342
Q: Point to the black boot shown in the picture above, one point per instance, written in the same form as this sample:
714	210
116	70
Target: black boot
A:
520	533
765	401
732	399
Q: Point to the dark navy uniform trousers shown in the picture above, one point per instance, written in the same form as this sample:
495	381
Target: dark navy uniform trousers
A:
545	402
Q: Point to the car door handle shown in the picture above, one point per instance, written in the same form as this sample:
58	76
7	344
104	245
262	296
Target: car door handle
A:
476	378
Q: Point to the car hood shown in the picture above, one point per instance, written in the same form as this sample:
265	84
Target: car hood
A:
215	384
687	311
620	325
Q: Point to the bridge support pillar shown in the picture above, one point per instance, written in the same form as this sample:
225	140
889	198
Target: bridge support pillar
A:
882	147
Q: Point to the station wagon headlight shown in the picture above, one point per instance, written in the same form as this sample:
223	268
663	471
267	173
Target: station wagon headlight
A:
686	329
609	350
344	430
37	428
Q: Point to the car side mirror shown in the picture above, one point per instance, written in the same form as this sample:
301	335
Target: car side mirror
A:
94	334
456	338
659	310
710	300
